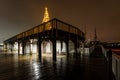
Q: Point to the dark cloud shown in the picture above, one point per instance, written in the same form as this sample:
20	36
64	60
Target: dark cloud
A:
19	15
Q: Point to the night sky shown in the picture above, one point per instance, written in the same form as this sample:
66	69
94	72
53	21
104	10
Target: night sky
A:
17	16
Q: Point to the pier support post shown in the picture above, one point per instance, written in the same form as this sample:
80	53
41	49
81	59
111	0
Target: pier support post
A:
39	48
61	45
23	47
54	50
12	47
5	47
18	48
75	47
29	44
8	47
67	48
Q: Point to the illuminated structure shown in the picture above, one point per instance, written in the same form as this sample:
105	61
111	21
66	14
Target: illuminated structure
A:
46	17
53	36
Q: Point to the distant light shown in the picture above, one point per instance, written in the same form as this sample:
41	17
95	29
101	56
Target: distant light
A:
1	44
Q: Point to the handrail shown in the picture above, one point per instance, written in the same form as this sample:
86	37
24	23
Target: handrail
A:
104	51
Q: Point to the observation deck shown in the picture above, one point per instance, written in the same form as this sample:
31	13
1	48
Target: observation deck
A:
48	29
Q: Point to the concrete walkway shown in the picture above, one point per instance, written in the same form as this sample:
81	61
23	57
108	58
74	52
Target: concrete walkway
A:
93	67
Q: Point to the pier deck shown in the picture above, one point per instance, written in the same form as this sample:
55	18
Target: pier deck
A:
94	67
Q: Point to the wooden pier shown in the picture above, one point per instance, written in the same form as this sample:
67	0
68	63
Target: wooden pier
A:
86	67
52	30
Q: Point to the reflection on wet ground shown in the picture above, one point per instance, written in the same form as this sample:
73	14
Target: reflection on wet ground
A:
30	68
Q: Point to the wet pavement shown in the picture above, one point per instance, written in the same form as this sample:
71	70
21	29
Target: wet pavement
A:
84	67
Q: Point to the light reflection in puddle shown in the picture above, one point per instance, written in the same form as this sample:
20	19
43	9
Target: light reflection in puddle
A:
33	66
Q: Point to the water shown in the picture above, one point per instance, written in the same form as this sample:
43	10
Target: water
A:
13	67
